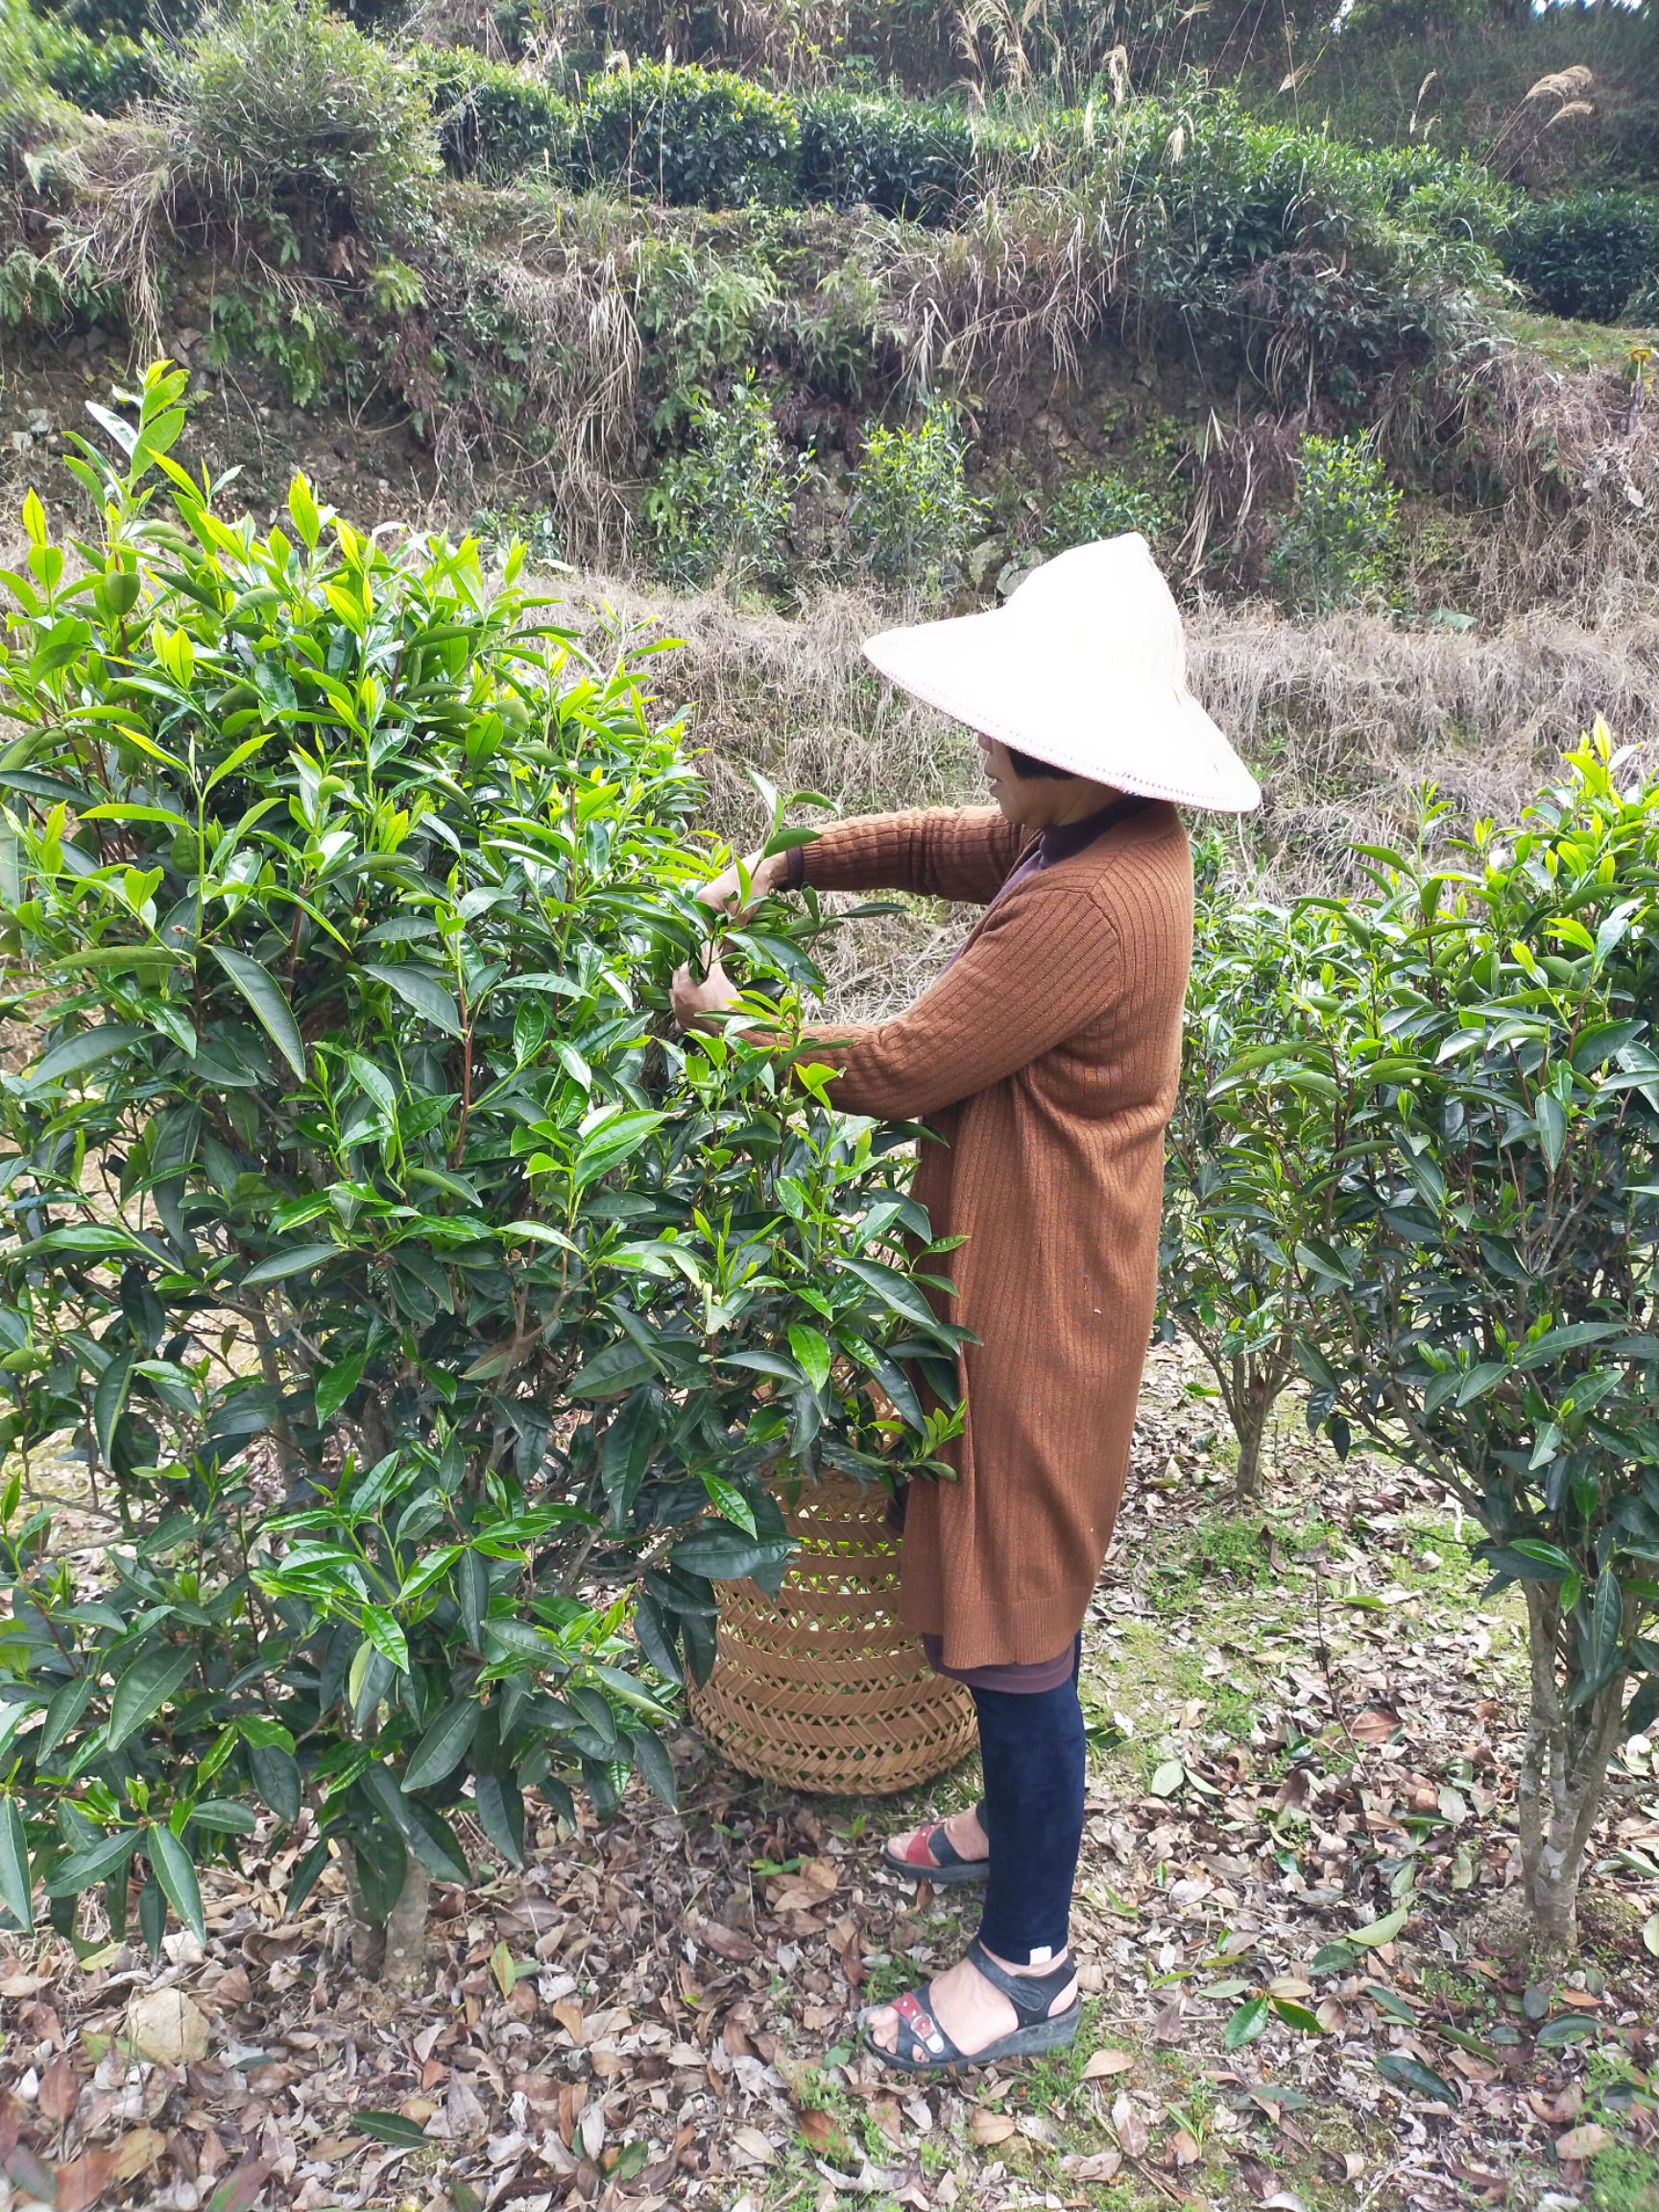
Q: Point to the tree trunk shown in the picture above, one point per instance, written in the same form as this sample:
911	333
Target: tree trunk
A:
367	1935
391	1951
1249	1404
405	1962
1563	1769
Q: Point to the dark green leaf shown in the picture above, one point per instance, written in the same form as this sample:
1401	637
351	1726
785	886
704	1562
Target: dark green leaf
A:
15	1888
144	1689
444	1744
82	1051
418	988
1245	2025
500	1804
175	1871
270	1005
1406	2073
390	2128
97	1862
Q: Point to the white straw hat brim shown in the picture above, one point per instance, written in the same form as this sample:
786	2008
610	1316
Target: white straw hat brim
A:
1084	669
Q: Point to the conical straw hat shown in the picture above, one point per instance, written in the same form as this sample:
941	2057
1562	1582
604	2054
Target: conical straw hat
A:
1085	669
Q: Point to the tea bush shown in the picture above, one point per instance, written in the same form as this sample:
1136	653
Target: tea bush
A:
401	1325
1585	256
1324	265
98	75
911	515
1104	503
301	122
133	19
1340	545
724	509
694	137
1243	1188
496	122
700	315
1474	1274
900	157
26	100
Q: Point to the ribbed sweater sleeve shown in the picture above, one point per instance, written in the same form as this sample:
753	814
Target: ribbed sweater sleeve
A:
962	853
1040	968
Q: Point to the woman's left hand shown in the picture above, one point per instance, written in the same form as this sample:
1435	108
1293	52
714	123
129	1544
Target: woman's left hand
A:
698	997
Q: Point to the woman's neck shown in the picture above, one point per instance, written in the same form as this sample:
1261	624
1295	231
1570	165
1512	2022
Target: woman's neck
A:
1074	803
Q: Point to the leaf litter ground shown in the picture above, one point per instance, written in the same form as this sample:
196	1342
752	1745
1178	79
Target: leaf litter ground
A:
1296	1928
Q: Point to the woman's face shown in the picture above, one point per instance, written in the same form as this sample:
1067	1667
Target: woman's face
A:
1009	792
1031	802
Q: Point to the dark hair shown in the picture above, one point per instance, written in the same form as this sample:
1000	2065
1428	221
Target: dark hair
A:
1029	770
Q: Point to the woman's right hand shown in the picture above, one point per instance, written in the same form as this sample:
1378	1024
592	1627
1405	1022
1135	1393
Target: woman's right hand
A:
725	893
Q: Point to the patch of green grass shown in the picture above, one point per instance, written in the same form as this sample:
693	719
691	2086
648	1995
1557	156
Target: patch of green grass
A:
1226	1554
1625	2178
1044	2085
1458	1992
886	1979
1571	345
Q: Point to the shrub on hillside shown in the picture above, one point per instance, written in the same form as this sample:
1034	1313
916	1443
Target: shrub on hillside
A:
495	121
1339	545
98	75
411	1324
911	515
1327	265
694	137
26	100
1588	255
297	118
135	19
697	314
905	158
723	511
1104	503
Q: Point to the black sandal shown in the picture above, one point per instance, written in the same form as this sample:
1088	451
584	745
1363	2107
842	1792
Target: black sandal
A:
947	1864
924	2048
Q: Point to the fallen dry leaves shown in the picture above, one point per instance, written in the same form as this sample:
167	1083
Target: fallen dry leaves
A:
661	2012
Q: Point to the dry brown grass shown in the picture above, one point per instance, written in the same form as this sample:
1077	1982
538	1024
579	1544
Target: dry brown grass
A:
1345	719
1573	456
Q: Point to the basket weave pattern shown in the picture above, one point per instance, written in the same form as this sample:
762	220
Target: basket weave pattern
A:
821	1688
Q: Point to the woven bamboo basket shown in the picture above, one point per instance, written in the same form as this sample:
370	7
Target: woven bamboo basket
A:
821	1688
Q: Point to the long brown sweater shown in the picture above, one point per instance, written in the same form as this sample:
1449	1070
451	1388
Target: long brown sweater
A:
1046	1058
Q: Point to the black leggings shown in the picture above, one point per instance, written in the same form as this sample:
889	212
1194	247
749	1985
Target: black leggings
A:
1032	1752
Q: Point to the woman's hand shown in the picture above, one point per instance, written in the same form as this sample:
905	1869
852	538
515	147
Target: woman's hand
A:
725	893
699	999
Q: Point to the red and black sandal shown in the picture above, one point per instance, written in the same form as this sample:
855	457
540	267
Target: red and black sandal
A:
924	2048
933	1858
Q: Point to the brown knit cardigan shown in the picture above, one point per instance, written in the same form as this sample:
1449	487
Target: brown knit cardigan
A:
1046	1059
